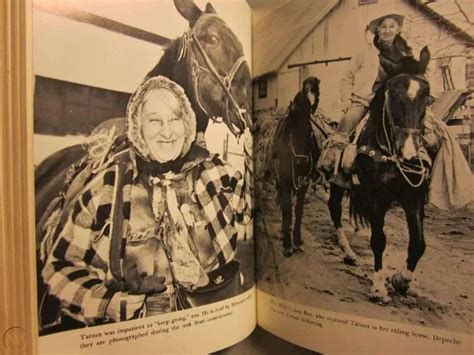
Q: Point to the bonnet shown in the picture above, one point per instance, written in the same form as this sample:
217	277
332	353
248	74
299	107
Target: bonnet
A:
134	111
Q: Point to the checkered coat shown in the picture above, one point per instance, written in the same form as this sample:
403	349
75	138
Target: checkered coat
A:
78	270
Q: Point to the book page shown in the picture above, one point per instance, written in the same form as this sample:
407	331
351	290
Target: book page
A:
142	154
365	249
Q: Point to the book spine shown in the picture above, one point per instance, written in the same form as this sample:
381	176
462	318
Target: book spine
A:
18	324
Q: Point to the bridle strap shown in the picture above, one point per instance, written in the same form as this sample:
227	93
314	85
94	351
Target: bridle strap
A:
403	167
225	81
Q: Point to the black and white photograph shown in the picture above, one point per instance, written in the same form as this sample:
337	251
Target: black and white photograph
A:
363	150
143	158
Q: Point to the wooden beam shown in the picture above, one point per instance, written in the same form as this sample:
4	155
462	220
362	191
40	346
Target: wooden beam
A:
60	9
323	61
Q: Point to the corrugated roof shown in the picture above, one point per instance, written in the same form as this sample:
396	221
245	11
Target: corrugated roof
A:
448	102
278	34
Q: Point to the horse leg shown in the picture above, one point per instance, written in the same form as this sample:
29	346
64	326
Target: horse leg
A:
336	194
297	241
286	217
378	241
414	213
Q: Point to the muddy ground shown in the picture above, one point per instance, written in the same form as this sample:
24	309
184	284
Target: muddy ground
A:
319	278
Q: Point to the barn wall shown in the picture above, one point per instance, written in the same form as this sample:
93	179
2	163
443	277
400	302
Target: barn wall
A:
270	100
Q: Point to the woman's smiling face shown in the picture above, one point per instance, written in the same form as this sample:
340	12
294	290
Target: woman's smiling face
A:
162	125
388	29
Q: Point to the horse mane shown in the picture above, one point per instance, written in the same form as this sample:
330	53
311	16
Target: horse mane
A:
300	106
407	65
167	65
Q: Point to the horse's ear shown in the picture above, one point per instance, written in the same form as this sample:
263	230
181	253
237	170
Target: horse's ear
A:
189	10
424	59
210	9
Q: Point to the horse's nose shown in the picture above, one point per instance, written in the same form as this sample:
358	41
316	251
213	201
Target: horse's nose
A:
409	150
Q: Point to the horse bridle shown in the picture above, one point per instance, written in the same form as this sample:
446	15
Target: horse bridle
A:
403	166
225	81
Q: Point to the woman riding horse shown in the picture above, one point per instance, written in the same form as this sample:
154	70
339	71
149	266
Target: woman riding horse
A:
404	164
367	72
156	222
450	178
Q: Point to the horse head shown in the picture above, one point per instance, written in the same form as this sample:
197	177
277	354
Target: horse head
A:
311	90
209	63
305	101
406	98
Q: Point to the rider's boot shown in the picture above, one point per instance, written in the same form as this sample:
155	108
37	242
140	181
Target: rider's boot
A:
332	151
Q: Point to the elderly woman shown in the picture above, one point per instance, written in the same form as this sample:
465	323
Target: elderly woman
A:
367	72
156	222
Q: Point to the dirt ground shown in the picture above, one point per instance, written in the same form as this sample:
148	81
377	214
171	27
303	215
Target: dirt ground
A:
319	278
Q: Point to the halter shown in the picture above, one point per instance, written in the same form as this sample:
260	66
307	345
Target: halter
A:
403	166
225	81
297	184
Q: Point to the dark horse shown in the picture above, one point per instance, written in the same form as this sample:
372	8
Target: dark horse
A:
391	168
208	62
295	153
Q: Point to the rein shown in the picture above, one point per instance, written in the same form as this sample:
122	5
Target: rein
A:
225	81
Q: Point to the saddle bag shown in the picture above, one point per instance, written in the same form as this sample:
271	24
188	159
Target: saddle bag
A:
350	152
223	283
348	157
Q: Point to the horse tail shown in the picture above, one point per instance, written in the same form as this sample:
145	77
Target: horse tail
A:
358	206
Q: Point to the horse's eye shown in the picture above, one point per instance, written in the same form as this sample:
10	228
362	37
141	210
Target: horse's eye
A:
212	39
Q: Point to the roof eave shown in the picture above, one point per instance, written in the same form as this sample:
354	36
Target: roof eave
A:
458	32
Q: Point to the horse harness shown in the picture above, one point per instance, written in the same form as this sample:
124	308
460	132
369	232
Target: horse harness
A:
197	69
419	168
298	184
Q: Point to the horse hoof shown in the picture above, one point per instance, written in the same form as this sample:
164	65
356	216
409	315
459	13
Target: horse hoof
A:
401	283
350	260
411	292
287	252
379	297
298	249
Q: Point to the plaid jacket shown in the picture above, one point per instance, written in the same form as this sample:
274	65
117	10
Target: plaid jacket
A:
78	270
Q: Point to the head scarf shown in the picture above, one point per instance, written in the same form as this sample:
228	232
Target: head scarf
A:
164	180
134	111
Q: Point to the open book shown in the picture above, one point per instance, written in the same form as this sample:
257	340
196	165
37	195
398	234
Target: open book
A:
167	183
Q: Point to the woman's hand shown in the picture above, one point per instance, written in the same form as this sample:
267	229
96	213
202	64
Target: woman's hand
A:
133	303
